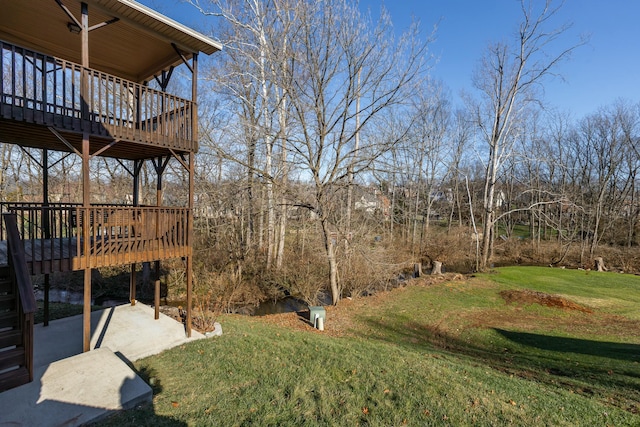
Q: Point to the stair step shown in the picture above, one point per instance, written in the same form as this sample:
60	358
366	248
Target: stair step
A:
10	338
7	302
6	286
8	319
12	358
14	378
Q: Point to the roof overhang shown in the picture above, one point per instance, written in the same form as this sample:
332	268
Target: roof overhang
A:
137	46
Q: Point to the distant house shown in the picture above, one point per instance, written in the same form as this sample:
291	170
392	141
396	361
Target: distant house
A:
371	201
367	203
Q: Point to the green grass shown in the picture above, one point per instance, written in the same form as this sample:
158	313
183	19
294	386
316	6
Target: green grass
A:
449	354
611	292
519	231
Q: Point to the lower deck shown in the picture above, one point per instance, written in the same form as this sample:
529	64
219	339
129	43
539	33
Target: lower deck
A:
69	237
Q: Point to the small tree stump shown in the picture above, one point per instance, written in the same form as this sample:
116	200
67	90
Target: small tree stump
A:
599	264
417	269
437	267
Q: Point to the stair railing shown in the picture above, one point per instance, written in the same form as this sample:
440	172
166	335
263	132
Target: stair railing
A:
20	274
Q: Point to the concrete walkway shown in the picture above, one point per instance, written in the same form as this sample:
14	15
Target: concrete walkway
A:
73	388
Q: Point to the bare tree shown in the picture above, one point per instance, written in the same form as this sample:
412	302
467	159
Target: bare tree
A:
342	58
460	136
508	79
257	38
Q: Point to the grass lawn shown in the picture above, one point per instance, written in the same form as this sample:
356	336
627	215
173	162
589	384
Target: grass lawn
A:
453	353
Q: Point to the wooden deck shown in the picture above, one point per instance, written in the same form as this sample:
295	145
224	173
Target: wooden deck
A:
39	93
56	237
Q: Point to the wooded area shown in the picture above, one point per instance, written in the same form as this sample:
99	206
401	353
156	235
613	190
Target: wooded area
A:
330	163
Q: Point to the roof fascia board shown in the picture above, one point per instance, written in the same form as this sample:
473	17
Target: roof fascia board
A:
163	19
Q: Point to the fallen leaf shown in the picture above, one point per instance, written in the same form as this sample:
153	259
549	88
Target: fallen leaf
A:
387	391
365	410
512	402
175	404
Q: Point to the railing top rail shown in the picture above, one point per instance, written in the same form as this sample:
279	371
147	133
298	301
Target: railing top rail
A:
54	206
59	61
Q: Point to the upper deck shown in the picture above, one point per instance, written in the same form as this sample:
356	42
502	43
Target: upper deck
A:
81	68
41	95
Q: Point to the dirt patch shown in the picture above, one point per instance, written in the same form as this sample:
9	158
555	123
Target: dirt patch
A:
547	300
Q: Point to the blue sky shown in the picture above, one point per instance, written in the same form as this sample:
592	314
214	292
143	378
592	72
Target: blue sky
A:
597	74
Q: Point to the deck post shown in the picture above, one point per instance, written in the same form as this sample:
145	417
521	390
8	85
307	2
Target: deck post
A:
86	193
194	134
47	226
137	167
156	293
86	330
45	303
159	166
132	285
189	260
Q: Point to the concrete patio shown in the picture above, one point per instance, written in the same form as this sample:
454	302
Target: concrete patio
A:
73	388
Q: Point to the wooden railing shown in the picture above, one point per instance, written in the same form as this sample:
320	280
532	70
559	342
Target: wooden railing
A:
63	237
42	89
48	233
20	276
119	235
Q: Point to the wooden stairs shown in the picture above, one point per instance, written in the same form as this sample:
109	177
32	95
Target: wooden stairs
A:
17	305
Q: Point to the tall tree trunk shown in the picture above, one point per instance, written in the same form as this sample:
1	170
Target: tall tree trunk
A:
249	234
283	166
329	247
489	210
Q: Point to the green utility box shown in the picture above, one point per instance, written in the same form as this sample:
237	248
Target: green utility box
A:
315	313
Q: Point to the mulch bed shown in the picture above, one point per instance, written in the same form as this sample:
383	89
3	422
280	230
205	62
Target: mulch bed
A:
524	297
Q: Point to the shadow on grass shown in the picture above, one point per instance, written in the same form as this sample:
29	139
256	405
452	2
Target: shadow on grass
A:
590	368
611	350
143	414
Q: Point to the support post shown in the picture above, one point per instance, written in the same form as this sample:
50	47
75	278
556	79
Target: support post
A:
156	294
86	330
86	311
46	224
47	288
132	285
137	167
86	202
190	245
159	166
194	130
